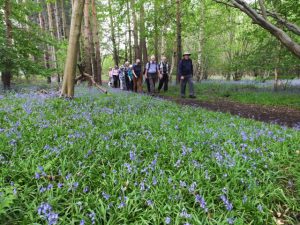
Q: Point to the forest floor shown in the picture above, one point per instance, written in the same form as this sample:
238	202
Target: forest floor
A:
254	100
283	116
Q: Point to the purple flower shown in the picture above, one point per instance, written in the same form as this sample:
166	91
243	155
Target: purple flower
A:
230	220
92	216
105	196
132	155
149	202
260	208
182	184
45	211
201	201
37	176
82	222
168	220
226	202
86	189
60	185
68	176
184	214
154	181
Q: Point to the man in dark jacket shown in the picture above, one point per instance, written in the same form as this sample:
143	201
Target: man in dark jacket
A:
185	72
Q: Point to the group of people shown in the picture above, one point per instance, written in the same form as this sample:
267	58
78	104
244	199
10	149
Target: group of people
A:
130	77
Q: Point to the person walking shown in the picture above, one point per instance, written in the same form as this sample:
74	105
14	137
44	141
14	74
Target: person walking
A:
123	75
152	71
137	76
164	69
185	72
130	78
115	74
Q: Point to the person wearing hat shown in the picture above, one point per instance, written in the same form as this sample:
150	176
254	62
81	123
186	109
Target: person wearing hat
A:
185	73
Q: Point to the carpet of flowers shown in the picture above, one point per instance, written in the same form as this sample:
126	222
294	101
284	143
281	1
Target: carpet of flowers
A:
132	159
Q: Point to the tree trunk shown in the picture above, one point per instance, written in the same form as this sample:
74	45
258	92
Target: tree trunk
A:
7	73
72	54
173	62
179	42
135	31
98	69
52	32
66	28
200	74
87	41
129	32
143	53
45	47
156	30
113	35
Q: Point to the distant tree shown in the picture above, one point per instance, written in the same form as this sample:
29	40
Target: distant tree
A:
260	17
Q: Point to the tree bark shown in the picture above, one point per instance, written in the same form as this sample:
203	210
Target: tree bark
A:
52	32
66	28
178	32
7	73
200	74
98	69
113	34
45	47
156	30
129	32
71	60
143	53
87	56
135	31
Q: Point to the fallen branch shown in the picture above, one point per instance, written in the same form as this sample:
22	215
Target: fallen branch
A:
91	78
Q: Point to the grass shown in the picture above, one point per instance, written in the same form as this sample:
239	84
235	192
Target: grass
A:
248	94
132	159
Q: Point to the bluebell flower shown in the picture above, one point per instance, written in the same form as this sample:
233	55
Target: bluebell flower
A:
105	196
68	176
226	202
45	211
37	176
149	202
230	220
82	222
168	220
201	201
260	208
60	185
86	189
184	214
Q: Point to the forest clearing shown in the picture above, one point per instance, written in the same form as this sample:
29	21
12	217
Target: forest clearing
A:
179	112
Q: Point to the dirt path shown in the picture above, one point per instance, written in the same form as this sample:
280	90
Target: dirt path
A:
279	115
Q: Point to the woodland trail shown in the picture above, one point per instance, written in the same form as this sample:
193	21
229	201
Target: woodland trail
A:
283	116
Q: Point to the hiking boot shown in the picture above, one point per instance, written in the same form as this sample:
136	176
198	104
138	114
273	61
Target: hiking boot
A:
192	96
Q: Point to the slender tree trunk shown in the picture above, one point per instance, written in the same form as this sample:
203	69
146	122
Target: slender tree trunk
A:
200	72
156	30
113	35
7	73
45	46
179	41
52	32
129	31
87	41
174	61
135	31
66	28
96	44
143	53
72	54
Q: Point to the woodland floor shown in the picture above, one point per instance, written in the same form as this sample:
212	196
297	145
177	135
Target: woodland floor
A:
283	116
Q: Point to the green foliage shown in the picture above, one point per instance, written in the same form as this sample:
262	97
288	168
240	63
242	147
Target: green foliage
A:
146	155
